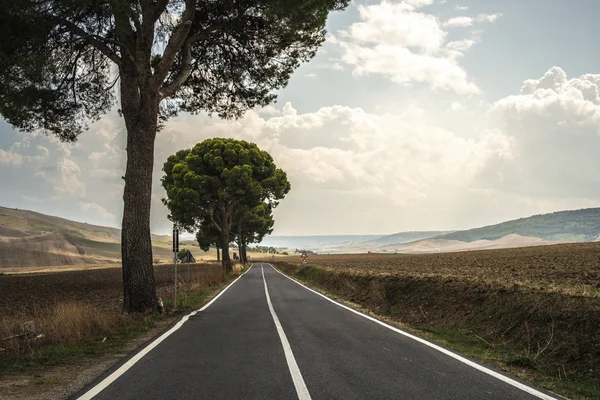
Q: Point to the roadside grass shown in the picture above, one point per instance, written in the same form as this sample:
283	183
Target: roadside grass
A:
514	362
75	332
462	318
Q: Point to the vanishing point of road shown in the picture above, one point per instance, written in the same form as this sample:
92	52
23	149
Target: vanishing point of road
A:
268	337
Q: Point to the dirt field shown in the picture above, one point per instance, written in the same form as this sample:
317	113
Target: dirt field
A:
567	268
103	288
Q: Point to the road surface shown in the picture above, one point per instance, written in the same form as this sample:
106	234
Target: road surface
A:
268	337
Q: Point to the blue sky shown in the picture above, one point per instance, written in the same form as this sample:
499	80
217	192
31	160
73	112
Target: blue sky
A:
414	115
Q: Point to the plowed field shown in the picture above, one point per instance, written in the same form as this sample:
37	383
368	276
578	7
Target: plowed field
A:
567	268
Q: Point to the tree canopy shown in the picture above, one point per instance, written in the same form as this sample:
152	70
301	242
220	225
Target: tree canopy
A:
220	180
61	59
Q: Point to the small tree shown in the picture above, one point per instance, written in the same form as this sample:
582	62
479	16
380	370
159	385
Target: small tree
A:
252	225
216	179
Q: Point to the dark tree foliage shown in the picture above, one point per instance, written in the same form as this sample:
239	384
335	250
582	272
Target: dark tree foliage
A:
252	225
207	235
219	180
61	62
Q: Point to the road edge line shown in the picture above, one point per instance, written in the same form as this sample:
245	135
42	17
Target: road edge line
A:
300	385
94	391
499	376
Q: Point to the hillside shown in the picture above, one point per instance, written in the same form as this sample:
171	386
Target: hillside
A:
20	223
565	226
314	242
402	237
345	243
32	239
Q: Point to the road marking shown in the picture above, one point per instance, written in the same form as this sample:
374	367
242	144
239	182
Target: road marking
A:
301	388
470	363
130	363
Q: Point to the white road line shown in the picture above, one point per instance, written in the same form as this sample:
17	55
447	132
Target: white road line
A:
130	363
301	389
470	363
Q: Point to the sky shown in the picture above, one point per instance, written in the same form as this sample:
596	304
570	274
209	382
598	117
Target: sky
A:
414	115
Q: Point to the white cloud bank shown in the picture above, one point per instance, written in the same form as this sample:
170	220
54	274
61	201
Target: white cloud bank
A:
401	42
10	158
354	171
555	123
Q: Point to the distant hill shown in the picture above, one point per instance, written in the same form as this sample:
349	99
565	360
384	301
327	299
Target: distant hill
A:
314	242
32	239
558	227
402	237
345	243
18	223
565	226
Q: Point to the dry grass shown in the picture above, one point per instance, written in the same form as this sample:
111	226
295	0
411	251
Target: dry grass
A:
62	323
78	307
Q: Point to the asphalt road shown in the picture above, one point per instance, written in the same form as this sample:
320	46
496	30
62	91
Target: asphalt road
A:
267	337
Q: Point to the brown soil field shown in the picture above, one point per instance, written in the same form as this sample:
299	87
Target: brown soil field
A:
24	294
538	306
567	268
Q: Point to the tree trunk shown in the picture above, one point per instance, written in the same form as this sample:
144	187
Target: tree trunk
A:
139	290
218	254
226	261
244	257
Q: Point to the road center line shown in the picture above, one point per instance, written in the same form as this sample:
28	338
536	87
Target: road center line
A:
301	388
512	382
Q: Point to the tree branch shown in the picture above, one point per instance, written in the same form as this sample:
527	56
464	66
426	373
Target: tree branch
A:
212	217
94	40
186	61
125	33
175	43
183	74
159	7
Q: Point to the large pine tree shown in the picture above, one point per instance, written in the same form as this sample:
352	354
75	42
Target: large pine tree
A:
64	63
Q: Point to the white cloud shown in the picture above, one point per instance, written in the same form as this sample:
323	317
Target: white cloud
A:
419	3
68	181
457	106
461	8
400	157
458	22
403	66
335	66
488	17
396	24
399	42
458	48
555	124
98	214
10	158
107	163
42	156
